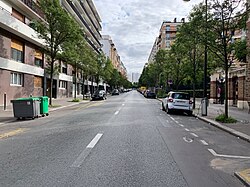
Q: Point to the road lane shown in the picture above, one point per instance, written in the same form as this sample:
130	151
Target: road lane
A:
140	146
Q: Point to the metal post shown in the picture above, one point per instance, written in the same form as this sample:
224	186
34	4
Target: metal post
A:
205	66
4	101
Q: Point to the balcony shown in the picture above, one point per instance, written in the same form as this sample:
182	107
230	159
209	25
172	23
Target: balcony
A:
18	28
33	6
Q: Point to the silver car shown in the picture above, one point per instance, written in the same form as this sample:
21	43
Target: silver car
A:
177	101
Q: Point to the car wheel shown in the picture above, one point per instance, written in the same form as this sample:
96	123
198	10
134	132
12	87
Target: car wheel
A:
167	110
162	107
190	113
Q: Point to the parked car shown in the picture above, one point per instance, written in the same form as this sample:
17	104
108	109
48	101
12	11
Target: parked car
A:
149	94
115	92
99	94
177	101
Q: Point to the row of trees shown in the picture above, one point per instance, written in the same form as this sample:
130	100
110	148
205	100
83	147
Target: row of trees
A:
212	26
64	40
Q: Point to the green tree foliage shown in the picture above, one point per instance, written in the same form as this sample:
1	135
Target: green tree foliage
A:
57	29
226	17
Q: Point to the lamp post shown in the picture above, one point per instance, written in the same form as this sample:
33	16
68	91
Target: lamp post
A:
205	99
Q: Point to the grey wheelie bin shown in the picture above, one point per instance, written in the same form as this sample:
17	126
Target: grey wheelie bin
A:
26	107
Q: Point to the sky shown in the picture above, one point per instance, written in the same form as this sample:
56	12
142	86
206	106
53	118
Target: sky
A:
134	25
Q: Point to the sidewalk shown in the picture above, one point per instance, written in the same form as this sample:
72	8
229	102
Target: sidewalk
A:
8	116
240	129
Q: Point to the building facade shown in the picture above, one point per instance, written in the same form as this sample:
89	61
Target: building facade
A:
166	38
22	62
237	81
111	52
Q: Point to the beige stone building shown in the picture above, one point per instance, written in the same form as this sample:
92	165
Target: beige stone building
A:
111	52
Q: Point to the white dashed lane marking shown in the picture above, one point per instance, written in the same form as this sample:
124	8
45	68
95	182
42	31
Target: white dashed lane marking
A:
195	135
204	142
86	151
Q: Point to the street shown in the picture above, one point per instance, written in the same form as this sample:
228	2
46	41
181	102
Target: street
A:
126	140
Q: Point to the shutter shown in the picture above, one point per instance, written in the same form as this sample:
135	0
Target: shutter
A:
17	45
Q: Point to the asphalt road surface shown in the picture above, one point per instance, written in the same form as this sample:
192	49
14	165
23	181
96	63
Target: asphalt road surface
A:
126	140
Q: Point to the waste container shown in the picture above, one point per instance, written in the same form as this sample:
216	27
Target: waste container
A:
26	107
44	105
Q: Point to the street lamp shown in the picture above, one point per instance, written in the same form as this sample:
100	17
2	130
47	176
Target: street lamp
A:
205	99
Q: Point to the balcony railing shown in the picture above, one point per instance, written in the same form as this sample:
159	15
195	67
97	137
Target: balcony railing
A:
33	6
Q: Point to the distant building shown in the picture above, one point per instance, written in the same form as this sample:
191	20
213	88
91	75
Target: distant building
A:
109	49
167	35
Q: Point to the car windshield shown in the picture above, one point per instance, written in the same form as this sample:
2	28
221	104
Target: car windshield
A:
181	96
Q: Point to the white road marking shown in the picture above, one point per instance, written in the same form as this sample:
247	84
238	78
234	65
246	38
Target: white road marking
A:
116	112
195	135
187	130
172	118
86	151
181	125
177	122
95	140
204	142
227	156
123	104
188	140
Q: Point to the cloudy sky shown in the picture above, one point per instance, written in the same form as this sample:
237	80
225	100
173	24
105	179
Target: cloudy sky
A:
134	24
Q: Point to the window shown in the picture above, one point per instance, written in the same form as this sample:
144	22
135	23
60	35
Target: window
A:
38	59
168	28
38	82
17	15
16	79
38	62
63	84
167	44
16	51
64	68
168	36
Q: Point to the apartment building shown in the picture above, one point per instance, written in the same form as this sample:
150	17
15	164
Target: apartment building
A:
153	51
86	15
167	35
111	52
22	62
238	93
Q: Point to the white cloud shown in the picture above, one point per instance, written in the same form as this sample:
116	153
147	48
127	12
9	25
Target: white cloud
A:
134	24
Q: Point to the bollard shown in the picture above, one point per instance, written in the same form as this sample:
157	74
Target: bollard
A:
4	101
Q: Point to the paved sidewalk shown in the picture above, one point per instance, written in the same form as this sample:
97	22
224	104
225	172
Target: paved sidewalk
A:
8	116
240	129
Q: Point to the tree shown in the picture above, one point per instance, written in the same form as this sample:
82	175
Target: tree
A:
227	16
189	37
57	29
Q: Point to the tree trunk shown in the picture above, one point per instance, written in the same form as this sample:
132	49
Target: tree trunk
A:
194	77
51	81
75	83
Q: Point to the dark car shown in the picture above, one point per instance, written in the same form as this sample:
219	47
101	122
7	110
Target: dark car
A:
99	94
150	94
115	92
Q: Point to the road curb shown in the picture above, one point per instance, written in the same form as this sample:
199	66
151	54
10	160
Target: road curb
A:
243	176
224	128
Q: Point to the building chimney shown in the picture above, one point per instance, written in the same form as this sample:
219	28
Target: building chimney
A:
183	20
174	20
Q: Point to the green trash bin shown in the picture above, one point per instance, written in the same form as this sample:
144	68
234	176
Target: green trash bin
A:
26	107
44	105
